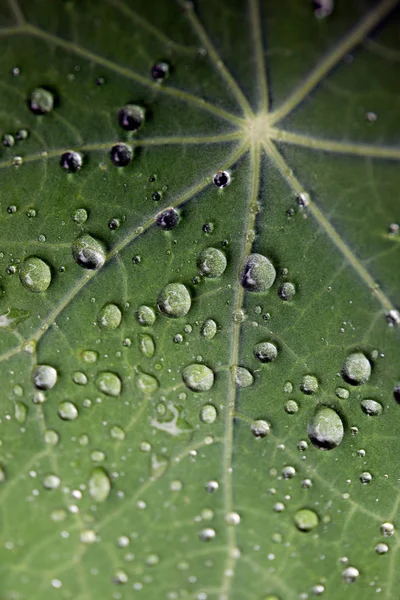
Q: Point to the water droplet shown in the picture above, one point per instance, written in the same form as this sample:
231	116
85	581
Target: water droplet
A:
208	414
323	8
88	536
306	519
145	316
117	433
265	352
99	484
120	577
146	383
88	252
222	179
35	274
44	377
71	161
365	477
381	548
232	518
109	383
372	407
22	134
260	428
291	407
198	378
393	317
67	411
131	117
325	429
356	369
174	300
146	345
8	140
89	356
121	155
207	534
80	216
342	393
211	262
309	384
160	70
243	377
387	529
51	482
51	437
350	574
20	412
288	472
258	273
109	317
209	329
287	291
41	101
302	445
167	219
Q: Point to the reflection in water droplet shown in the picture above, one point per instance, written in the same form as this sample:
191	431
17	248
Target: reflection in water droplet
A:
260	428
207	534
288	472
160	70
79	378
145	316
209	329
309	384
365	477
372	407
306	519
44	377
258	273
71	161
356	369
89	356
387	529
146	383
67	411
167	219
174	300
146	345
41	101
109	317
208	414
198	378
350	574
51	482
109	383
232	518
88	252
211	262
35	274
243	377
291	407
287	291
131	117
381	548
265	352
212	486
325	429
80	216
99	484
222	179
121	155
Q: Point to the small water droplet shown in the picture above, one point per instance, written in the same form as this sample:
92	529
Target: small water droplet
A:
121	155
109	383
265	352
232	518
243	377
51	482
208	414
306	519
51	437
211	262
35	274
88	252
207	534
198	378
350	574
41	101
381	548
99	484
212	486
167	219
71	161
371	407
90	356
288	472
287	291
342	393
309	384
44	377
131	117
260	428
325	429
356	369
145	316
80	216
174	300
365	477
8	140
146	345
160	70
67	411
291	407
109	317
387	529
20	412
148	384
209	329
258	273
222	179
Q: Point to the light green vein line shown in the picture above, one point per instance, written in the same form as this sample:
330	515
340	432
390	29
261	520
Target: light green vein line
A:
135	233
149	142
255	19
255	158
312	143
329	229
345	45
6	31
216	60
130	74
154	31
15	7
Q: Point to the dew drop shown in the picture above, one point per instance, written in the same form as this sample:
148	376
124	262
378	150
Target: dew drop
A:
80	216
174	300
146	383
20	412
113	224
306	519
342	393
120	577
208	414
117	433
51	482
131	117
209	329
145	316
232	518
35	274
381	548
325	429
309	384
99	484
121	155
356	369
160	70
371	407
109	383
207	534
396	393
109	317
146	345
41	101
323	8
350	574
89	356
8	140
288	472
365	477
51	437
88	536
265	352
211	262
387	529
287	291
222	179
67	411
88	252
167	219
260	428
258	273
212	486
291	407
198	378
44	377
71	161
243	377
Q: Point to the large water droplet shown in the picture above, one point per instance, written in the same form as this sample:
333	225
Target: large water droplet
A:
258	273
71	161
44	377
146	383
260	428
121	155
350	574
211	262
306	519
88	252
109	317
35	274
109	383
208	414
145	316
209	329
41	101
146	345
167	219
356	369
243	377
174	300
67	411
309	384
371	407
131	117
265	352
325	429
99	484
198	378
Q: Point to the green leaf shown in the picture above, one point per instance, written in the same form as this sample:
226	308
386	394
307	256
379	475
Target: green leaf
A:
199	338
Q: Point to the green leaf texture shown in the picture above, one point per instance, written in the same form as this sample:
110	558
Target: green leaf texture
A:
238	437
